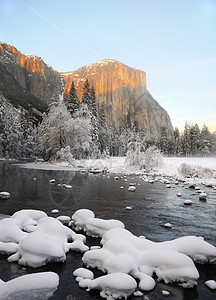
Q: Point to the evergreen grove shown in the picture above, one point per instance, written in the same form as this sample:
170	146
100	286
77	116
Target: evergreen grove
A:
83	126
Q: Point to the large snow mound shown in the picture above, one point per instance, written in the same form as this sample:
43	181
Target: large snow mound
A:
31	286
48	241
171	261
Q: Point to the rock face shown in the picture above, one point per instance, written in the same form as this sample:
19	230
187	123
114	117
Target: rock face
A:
28	82
27	76
122	89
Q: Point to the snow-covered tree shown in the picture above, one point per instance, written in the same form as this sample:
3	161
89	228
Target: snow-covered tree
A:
138	158
177	143
194	134
205	141
86	94
64	154
135	156
163	143
71	100
52	131
153	158
78	131
103	134
186	139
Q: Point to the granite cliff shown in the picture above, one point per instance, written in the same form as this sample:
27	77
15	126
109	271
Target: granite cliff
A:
122	89
28	82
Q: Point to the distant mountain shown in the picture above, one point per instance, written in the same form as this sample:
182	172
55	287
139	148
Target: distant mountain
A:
122	89
28	82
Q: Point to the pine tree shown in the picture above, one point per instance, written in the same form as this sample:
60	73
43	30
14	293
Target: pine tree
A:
205	141
163	141
113	140
177	143
103	134
194	134
186	140
86	94
72	101
92	104
88	98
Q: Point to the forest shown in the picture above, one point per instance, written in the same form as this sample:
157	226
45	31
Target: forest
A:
83	126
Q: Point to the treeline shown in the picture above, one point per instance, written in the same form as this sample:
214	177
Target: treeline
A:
83	126
193	141
18	132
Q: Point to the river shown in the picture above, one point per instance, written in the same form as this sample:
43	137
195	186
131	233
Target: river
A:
153	205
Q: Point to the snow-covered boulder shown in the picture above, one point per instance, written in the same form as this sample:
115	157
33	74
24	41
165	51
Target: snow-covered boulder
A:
97	227
171	261
31	286
132	188
10	231
187	202
84	219
112	286
4	195
83	273
48	242
211	284
27	217
202	196
80	217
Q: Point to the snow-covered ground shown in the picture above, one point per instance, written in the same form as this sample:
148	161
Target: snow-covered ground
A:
169	167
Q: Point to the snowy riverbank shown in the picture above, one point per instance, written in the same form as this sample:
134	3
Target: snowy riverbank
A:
169	167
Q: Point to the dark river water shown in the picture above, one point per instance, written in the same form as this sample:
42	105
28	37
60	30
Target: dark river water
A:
153	205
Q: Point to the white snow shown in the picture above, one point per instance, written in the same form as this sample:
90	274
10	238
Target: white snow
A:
32	286
85	220
187	202
4	195
167	225
202	196
165	293
112	286
171	261
47	242
64	219
132	188
211	284
171	166
83	273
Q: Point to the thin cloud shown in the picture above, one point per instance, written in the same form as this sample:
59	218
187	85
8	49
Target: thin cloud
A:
60	29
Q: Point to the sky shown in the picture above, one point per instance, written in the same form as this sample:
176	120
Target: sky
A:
173	41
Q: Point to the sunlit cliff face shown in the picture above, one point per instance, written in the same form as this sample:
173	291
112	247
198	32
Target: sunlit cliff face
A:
122	89
107	76
31	73
32	64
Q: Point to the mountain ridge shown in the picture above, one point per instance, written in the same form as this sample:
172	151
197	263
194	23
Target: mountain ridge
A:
121	88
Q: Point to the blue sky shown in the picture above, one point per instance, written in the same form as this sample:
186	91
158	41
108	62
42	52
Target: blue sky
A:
173	41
